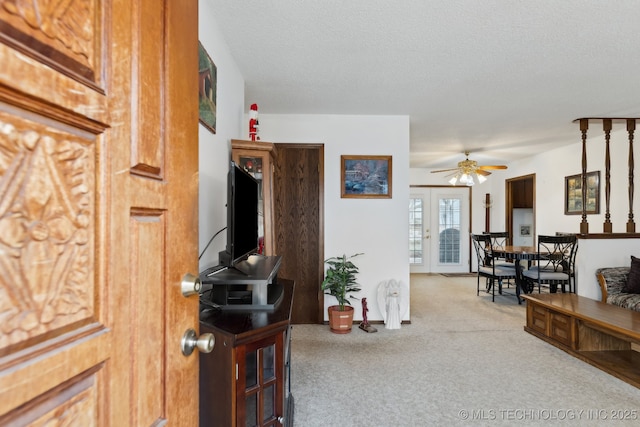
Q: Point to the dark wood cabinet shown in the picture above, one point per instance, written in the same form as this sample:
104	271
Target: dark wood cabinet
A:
257	158
245	379
604	335
522	191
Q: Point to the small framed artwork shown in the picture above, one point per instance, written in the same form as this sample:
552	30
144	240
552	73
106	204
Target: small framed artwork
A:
525	230
573	194
207	88
365	177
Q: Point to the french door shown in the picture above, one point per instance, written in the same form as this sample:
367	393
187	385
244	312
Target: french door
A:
439	229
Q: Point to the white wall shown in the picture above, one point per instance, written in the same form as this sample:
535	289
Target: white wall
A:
550	217
377	227
215	148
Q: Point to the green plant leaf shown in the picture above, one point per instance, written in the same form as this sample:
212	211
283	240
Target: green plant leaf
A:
340	279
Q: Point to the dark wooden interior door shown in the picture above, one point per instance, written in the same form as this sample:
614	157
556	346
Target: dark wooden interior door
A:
298	225
98	211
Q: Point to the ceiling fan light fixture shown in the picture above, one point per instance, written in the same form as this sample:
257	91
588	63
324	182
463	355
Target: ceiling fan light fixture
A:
469	172
467	179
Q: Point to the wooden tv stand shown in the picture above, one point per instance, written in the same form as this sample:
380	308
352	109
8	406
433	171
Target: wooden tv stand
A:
601	334
246	379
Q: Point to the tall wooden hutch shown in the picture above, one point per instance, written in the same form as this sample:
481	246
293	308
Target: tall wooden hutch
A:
257	158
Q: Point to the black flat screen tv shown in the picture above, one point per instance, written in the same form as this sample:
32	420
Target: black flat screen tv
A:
242	216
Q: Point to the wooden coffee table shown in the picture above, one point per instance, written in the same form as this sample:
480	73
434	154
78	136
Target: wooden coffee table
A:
603	335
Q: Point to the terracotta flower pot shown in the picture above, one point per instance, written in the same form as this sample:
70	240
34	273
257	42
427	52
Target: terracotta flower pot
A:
340	322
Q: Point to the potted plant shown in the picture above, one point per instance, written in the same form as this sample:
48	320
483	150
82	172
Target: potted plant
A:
340	283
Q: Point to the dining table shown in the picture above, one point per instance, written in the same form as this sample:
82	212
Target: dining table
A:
518	254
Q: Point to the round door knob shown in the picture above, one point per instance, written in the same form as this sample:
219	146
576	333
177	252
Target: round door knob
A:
190	341
190	285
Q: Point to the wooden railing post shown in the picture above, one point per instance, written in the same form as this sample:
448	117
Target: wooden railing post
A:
584	225
607	125
487	212
607	227
631	127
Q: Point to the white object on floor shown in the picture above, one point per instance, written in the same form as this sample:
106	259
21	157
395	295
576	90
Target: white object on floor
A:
393	301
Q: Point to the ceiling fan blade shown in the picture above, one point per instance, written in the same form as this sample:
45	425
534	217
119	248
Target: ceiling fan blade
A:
490	167
483	173
445	170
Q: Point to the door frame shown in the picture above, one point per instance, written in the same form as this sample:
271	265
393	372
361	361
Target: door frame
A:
470	197
509	201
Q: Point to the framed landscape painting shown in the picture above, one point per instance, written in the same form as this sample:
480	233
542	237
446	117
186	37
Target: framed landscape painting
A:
365	177
207	88
573	194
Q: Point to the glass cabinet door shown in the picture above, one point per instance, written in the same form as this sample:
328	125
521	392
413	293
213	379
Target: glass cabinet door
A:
262	395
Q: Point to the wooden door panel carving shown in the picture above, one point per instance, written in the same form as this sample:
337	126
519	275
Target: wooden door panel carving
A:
49	298
64	35
47	223
74	404
93	103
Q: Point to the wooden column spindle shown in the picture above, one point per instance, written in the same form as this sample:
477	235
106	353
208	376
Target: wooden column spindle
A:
607	227
631	127
584	225
487	212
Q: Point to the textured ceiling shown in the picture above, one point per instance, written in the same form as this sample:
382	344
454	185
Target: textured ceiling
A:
500	78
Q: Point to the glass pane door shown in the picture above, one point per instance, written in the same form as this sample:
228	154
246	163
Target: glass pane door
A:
439	230
449	223
262	380
415	230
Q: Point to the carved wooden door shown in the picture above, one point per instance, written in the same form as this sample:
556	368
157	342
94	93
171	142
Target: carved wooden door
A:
98	211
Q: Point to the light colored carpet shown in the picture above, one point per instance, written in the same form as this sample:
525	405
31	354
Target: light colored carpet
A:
463	360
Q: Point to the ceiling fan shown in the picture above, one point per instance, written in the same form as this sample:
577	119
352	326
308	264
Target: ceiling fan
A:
468	169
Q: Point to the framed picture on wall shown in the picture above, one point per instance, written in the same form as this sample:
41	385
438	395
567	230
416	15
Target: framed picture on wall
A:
573	194
365	177
207	88
525	230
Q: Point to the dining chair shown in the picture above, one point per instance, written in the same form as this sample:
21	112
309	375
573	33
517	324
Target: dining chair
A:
487	268
556	256
572	268
500	239
572	264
